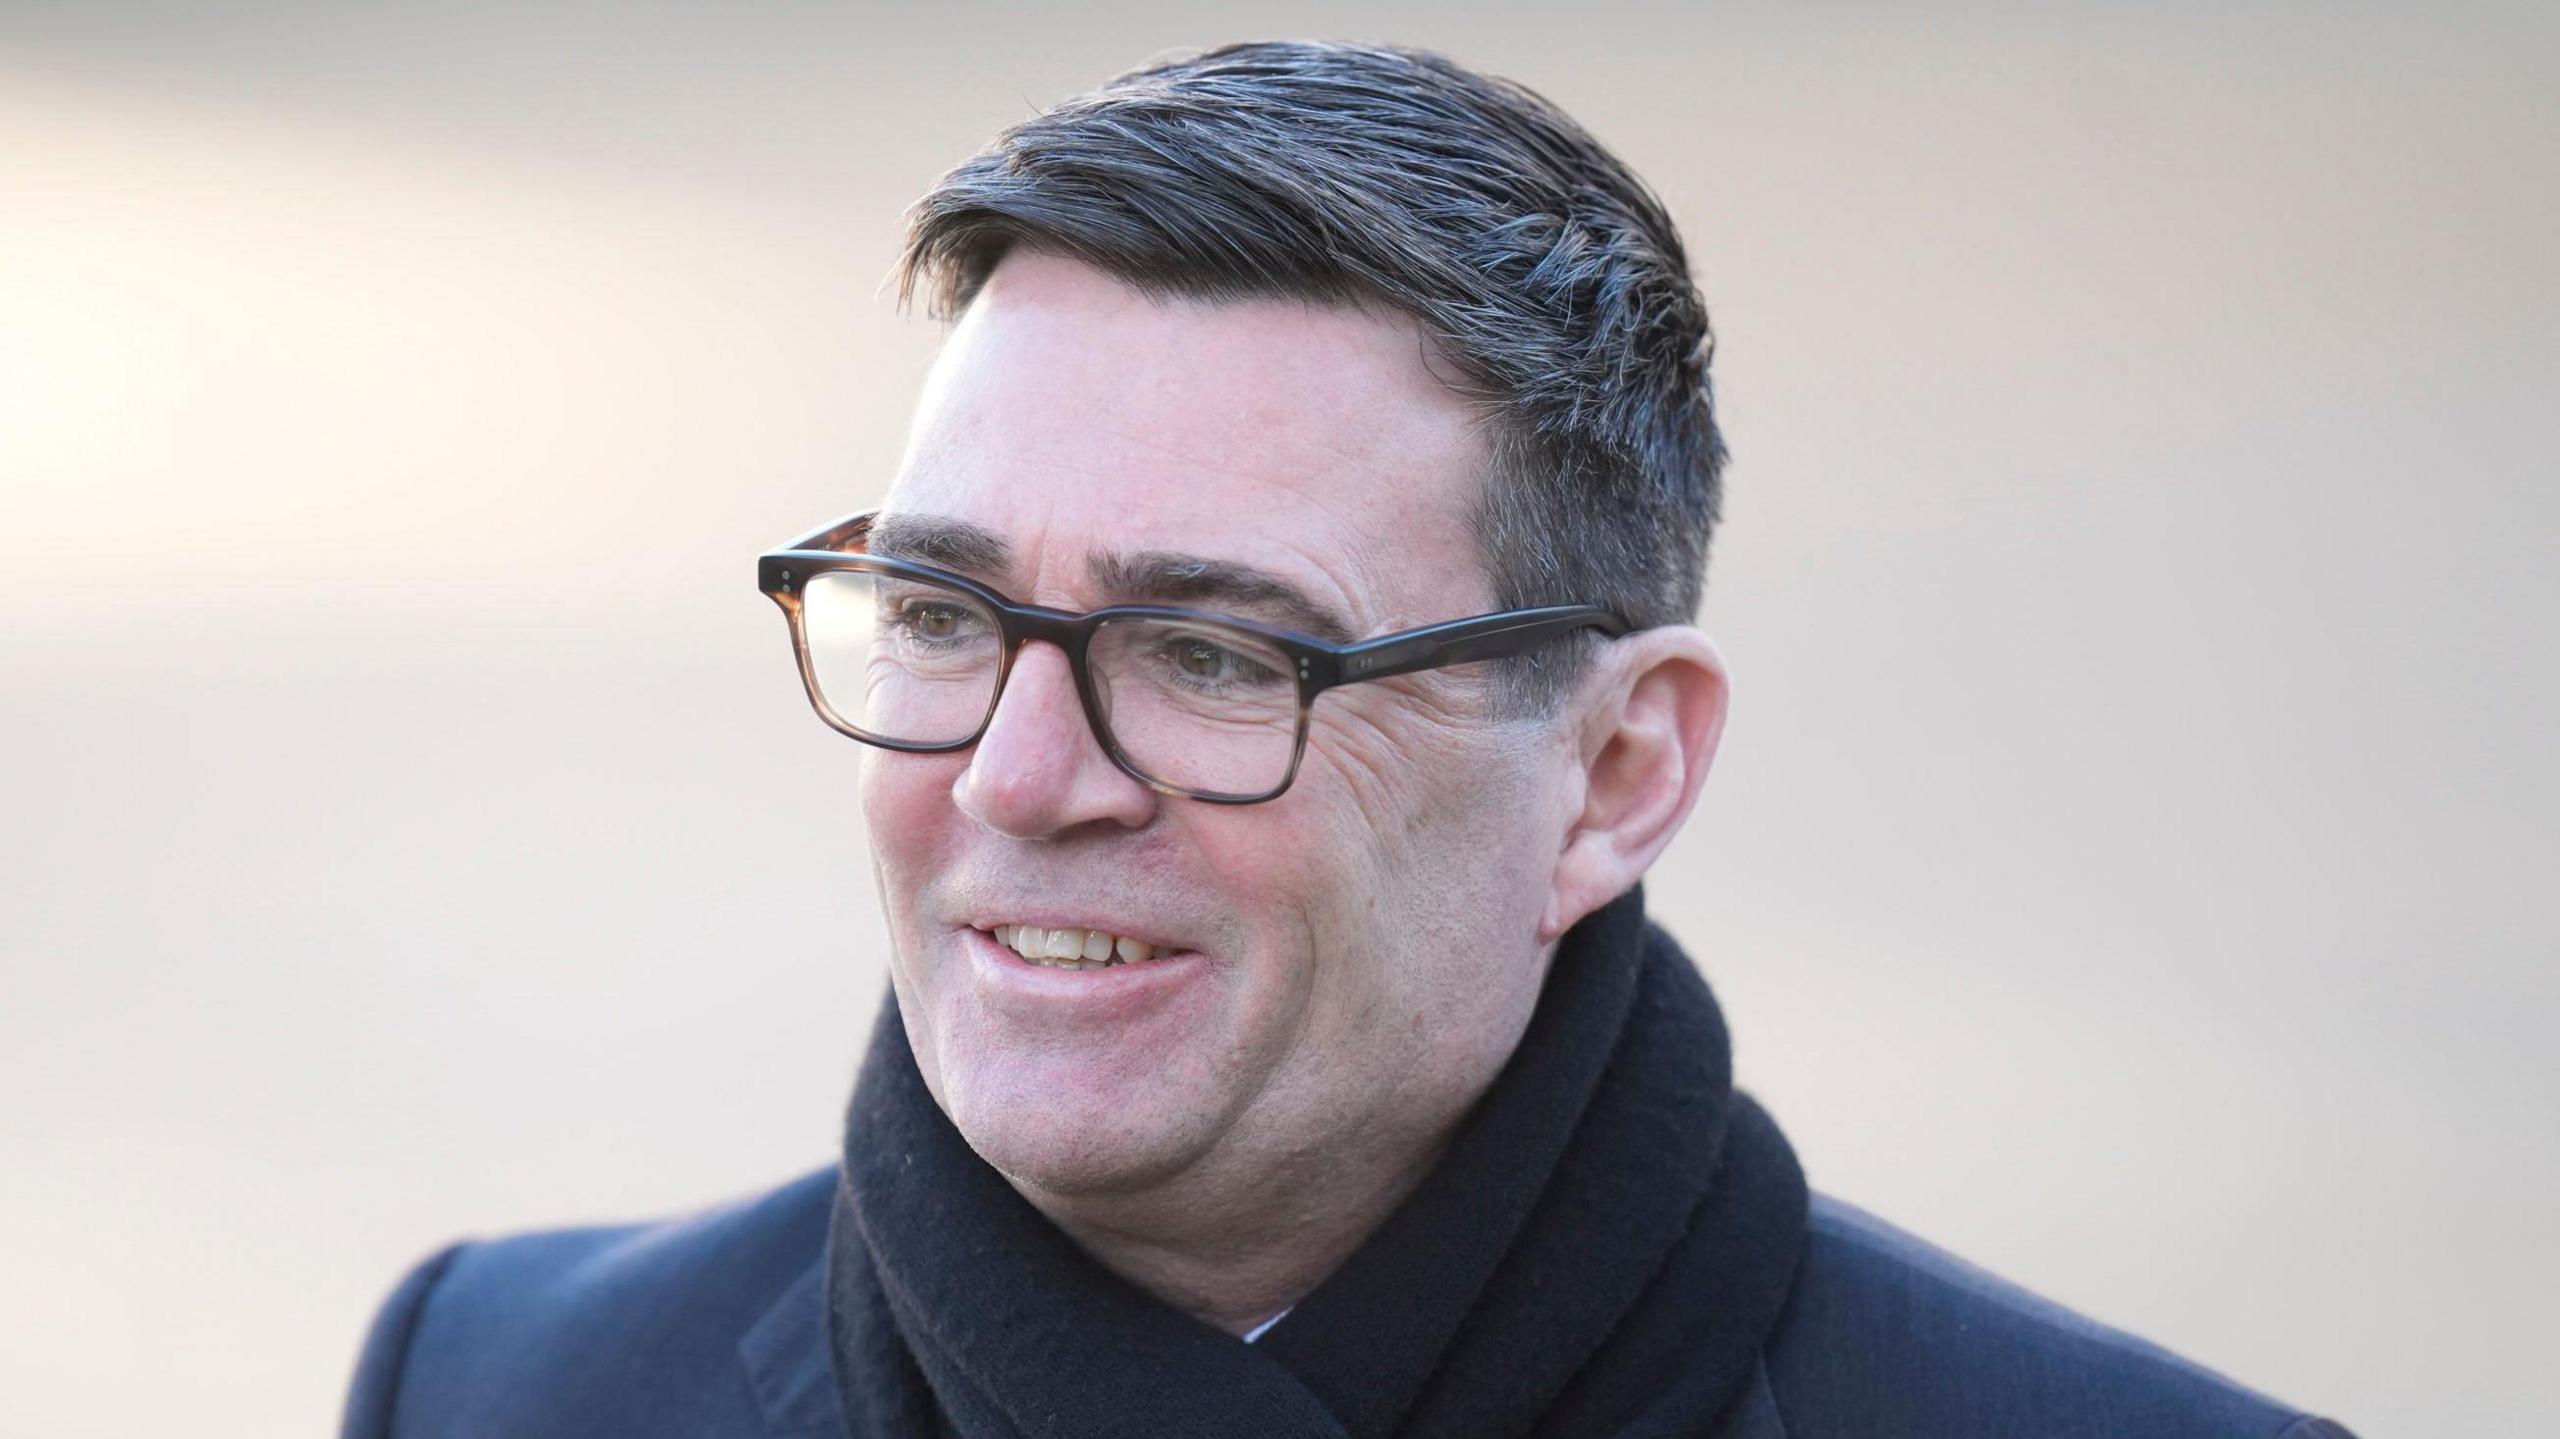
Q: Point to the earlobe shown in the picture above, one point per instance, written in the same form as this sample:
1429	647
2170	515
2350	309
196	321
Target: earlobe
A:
1649	736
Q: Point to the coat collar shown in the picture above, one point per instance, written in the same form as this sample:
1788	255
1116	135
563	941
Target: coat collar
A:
785	1354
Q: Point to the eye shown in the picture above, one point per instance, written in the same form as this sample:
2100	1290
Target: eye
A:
929	622
1201	659
1206	664
935	621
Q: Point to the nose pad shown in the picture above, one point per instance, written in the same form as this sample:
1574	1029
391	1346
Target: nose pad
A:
1039	767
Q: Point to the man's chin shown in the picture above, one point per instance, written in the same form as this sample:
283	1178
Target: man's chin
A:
1060	1167
1077	1141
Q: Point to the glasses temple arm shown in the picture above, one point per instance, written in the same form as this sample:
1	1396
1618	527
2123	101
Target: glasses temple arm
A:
1488	637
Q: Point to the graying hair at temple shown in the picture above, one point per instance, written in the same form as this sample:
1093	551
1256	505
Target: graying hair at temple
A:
1547	274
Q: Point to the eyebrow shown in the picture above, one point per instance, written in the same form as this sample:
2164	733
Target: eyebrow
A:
1159	576
932	540
1173	578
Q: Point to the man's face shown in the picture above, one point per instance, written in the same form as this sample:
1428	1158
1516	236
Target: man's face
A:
1339	970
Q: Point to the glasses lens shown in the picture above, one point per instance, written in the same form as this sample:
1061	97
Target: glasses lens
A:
899	659
1197	705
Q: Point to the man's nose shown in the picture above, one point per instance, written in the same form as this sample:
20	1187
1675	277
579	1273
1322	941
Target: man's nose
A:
1039	769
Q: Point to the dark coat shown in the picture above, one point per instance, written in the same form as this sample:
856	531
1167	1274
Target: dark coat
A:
712	1326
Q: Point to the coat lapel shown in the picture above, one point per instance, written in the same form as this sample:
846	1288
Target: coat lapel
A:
785	1355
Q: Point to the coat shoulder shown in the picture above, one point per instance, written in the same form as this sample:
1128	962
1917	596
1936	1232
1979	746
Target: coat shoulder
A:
624	1329
1885	1326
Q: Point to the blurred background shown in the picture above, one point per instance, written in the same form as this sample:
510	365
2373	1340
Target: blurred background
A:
2130	864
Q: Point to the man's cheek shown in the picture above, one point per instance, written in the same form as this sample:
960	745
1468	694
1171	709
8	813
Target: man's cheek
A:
906	805
1256	858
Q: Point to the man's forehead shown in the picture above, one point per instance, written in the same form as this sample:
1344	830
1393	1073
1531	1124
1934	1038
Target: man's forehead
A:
1057	361
1270	434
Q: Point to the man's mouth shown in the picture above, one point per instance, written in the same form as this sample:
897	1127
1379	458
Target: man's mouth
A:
1072	948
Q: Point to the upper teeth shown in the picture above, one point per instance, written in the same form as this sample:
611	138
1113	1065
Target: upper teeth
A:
1071	948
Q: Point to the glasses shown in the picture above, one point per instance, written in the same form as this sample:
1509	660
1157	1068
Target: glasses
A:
913	658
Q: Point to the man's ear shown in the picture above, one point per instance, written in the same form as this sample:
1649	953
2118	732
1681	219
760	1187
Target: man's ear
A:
1649	718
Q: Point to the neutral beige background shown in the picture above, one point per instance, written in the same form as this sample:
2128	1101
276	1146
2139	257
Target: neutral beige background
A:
2130	863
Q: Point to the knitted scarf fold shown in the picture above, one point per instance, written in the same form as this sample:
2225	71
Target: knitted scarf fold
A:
1602	1250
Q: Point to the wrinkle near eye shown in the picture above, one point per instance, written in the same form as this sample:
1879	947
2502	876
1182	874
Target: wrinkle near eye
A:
1394	743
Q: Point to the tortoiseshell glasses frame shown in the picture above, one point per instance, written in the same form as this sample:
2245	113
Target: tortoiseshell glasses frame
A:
1318	665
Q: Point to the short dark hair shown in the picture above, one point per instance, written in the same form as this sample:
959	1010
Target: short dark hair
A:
1535	259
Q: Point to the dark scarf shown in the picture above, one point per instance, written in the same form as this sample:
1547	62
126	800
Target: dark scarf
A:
1601	1251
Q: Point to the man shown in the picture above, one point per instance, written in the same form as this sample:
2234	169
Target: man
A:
1274	669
